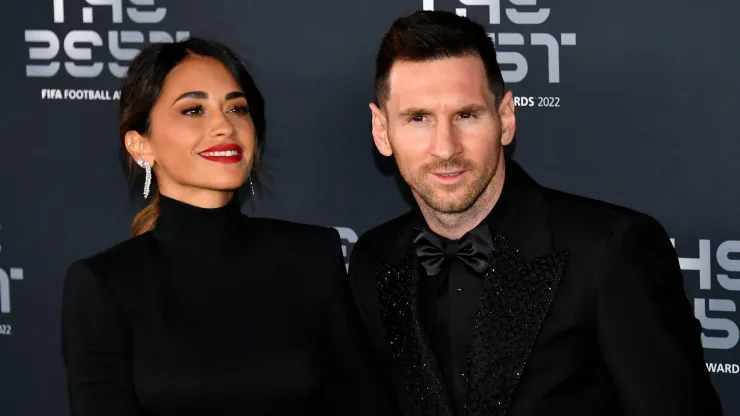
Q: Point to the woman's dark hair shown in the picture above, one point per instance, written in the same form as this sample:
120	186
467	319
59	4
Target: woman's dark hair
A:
141	89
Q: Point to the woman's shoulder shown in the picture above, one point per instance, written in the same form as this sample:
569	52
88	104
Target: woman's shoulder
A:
285	230
311	254
120	259
308	242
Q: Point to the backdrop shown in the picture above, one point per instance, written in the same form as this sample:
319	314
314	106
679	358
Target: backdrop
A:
626	101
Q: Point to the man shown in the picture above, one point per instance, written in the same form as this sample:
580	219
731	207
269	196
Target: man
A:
499	296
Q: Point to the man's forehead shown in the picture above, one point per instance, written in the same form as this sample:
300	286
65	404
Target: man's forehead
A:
450	81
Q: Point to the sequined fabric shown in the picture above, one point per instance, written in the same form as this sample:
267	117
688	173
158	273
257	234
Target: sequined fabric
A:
514	303
409	349
513	306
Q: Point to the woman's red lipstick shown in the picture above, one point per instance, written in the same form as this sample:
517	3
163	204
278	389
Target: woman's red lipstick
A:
223	153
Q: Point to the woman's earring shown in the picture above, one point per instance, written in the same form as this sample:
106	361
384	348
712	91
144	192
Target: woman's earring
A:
148	181
251	185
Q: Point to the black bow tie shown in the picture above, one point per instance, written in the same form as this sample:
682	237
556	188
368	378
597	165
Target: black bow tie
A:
475	249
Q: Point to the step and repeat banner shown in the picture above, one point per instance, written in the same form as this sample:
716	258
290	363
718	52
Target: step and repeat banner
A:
627	101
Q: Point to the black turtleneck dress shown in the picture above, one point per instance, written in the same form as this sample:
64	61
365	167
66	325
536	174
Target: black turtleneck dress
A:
212	313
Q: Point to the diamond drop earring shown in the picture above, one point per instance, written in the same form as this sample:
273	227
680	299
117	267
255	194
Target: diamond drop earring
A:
251	185
148	181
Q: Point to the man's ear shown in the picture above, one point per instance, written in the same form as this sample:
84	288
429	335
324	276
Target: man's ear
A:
508	119
380	130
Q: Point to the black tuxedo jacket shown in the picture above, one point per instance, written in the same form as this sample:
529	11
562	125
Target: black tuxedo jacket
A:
583	313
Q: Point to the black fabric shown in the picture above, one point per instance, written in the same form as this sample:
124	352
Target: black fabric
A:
214	313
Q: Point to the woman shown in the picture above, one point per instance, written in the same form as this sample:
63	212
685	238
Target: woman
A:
205	311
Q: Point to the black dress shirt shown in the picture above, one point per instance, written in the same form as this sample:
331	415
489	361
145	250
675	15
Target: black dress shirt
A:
448	303
448	306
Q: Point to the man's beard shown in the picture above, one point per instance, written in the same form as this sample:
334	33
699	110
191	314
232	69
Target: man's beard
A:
437	196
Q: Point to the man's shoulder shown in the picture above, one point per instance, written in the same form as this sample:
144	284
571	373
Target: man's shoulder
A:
380	241
580	204
576	214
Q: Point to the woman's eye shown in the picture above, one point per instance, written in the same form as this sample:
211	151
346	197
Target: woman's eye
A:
192	111
241	109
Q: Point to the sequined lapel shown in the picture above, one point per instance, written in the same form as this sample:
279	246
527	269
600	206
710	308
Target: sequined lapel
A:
514	303
409	349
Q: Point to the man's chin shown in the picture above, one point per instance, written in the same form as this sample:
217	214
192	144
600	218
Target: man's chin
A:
449	205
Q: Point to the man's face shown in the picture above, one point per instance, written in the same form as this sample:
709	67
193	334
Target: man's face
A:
444	129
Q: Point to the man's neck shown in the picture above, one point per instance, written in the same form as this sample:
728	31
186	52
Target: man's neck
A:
454	226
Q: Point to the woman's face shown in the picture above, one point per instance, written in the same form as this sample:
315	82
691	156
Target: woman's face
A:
202	142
